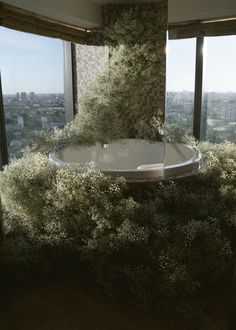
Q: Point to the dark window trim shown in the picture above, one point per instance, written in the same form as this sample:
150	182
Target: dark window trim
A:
27	21
69	82
3	155
3	139
197	112
2	231
206	28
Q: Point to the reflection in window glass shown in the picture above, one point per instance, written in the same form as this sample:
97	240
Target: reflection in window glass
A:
219	98
32	80
180	79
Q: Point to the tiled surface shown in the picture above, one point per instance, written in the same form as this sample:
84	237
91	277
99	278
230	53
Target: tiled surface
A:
90	62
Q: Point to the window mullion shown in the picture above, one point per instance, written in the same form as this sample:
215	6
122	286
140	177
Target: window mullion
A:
197	117
68	82
3	139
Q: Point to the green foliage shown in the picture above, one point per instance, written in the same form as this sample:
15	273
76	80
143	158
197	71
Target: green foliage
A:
16	255
62	203
112	107
221	163
160	243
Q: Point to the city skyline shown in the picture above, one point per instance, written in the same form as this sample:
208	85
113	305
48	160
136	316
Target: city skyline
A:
28	93
26	115
169	91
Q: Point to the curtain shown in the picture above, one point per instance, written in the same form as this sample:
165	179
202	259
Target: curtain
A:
206	28
22	20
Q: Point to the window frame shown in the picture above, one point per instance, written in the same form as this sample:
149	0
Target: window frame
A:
3	138
198	90
69	87
69	81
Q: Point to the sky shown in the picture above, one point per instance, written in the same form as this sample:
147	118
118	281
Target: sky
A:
34	63
219	64
30	63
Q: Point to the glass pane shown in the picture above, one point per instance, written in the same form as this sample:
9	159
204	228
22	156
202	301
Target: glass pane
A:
180	79
32	80
219	99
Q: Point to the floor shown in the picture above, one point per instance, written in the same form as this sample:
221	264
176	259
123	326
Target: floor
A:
67	305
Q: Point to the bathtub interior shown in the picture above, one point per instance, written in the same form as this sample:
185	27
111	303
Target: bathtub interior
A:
133	158
177	154
116	156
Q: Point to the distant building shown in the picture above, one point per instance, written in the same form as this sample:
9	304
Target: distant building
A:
44	121
24	98
20	121
230	113
32	97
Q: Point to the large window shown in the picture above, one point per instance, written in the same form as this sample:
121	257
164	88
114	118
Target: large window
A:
32	84
219	97
180	83
212	98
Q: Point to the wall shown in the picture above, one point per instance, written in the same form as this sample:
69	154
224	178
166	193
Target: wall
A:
90	62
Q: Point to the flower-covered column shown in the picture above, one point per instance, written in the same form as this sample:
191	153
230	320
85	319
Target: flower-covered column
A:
128	97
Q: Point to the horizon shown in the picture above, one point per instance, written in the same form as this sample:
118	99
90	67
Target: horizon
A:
27	93
169	91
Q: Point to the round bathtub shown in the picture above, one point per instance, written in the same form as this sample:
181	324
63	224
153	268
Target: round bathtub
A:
134	159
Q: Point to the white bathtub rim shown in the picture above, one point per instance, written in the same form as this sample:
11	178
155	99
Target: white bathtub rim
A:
194	161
